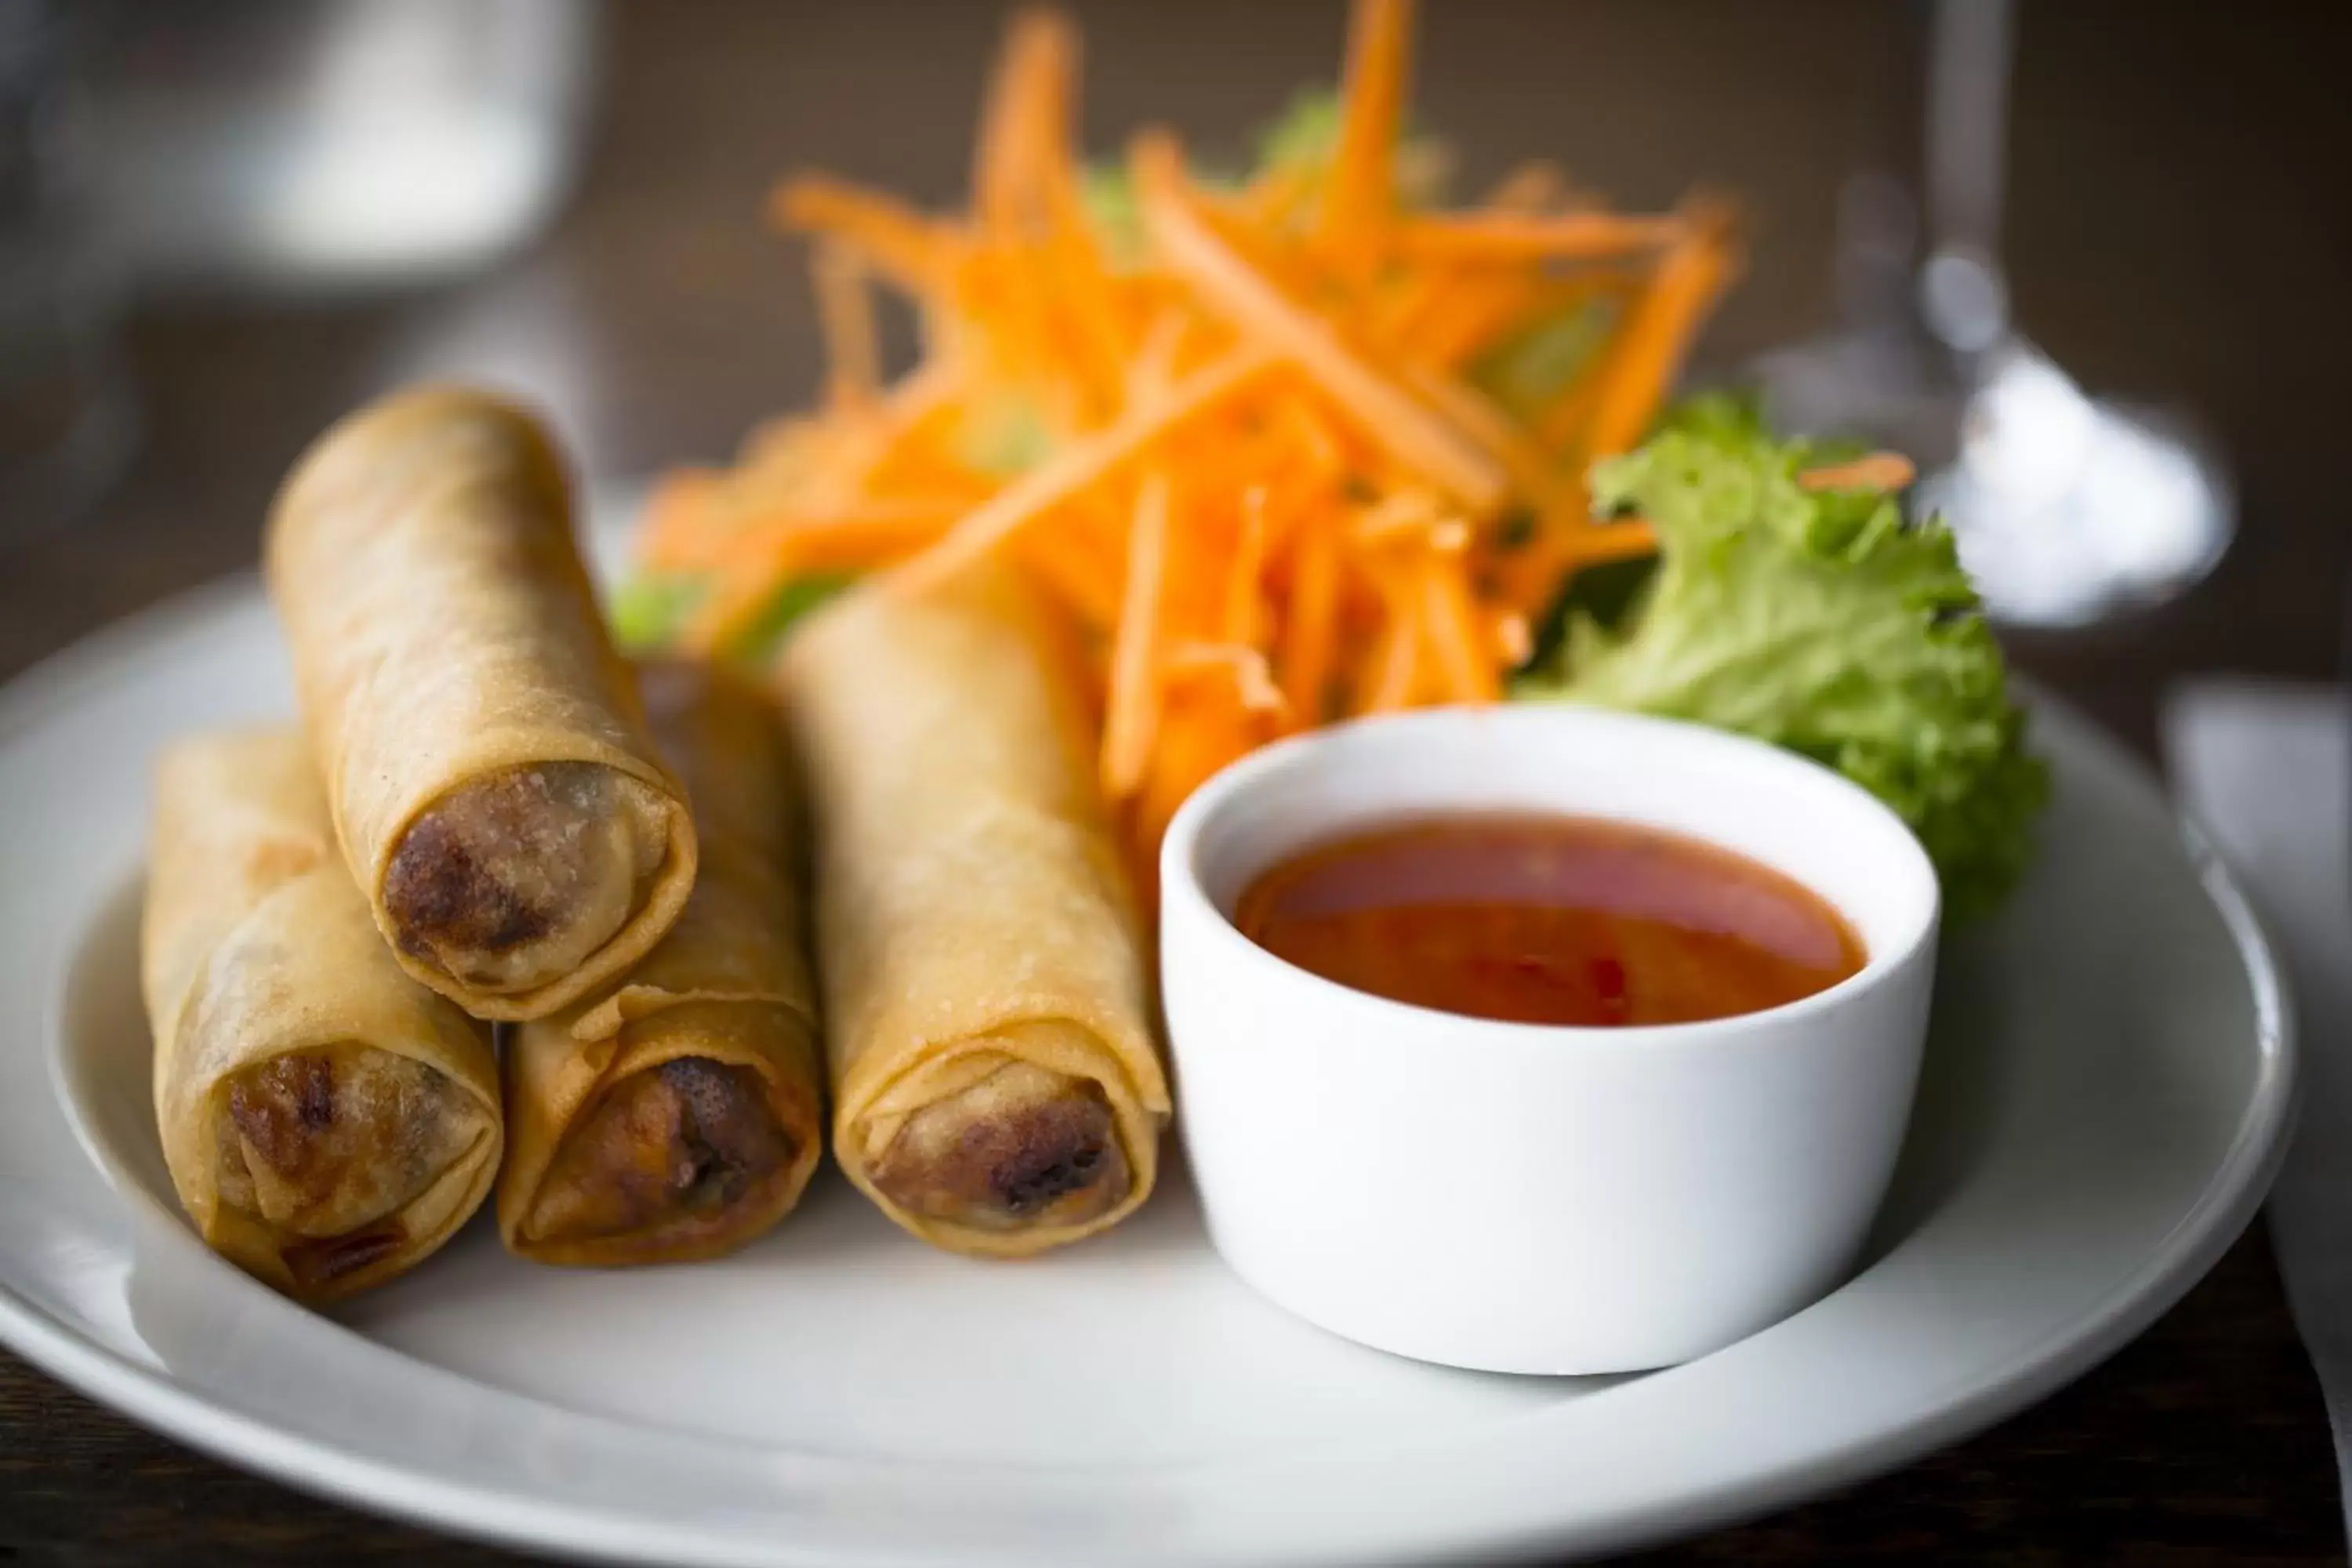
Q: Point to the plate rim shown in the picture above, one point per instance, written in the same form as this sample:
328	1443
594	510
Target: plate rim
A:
329	1469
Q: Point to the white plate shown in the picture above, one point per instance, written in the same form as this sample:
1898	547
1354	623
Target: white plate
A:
2106	1089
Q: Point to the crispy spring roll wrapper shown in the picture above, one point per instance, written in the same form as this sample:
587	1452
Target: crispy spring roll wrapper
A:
327	1121
493	787
681	1115
996	1088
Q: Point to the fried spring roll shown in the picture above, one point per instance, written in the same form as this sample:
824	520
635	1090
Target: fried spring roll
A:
680	1116
492	785
327	1121
996	1088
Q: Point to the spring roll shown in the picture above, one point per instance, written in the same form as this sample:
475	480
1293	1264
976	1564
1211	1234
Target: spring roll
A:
997	1088
493	788
680	1116
327	1120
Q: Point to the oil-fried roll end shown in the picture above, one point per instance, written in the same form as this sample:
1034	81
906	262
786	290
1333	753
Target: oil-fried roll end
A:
681	1114
327	1120
494	791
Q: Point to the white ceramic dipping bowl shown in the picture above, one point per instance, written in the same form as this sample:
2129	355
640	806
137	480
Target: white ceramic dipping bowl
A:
1531	1198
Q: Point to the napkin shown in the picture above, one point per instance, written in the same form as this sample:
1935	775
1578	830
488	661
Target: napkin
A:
2266	769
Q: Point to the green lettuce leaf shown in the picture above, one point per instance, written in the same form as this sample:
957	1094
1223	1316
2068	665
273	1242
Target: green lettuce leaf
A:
650	609
1818	621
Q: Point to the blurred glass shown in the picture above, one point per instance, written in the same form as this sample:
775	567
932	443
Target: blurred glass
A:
2068	507
66	421
282	147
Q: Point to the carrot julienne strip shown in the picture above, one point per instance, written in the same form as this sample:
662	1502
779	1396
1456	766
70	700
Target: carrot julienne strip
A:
1238	622
1087	584
1403	515
676	529
1205	729
1621	539
1154	364
859	534
1253	686
1878	471
1452	623
1513	642
1473	412
1533	578
846	316
1078	466
1362	182
1416	437
1016	121
1529	188
1131	710
902	242
1309	630
1244	554
1653	341
1395	665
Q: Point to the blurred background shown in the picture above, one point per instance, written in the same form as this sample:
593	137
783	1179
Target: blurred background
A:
222	226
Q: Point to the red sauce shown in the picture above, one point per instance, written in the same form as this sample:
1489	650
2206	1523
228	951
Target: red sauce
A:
1550	919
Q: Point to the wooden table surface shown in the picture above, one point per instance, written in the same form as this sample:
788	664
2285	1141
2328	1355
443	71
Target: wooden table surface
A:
2181	231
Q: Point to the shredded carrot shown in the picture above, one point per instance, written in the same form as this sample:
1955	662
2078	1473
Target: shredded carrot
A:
1405	515
1561	422
1017	124
1087	584
1246	440
1529	188
1535	474
1254	685
860	533
1239	621
1395	665
1129	723
675	533
1451	620
1205	728
1695	271
1878	471
897	239
1535	579
1154	365
1362	182
1622	540
1513	642
1308	632
1275	196
1387	414
1076	467
852	349
1324	453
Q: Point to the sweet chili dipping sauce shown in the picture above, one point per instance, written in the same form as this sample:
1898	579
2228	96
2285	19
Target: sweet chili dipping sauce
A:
1550	919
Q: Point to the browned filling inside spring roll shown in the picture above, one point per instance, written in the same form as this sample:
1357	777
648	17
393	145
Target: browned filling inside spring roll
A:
672	1155
330	1145
1024	1146
514	879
